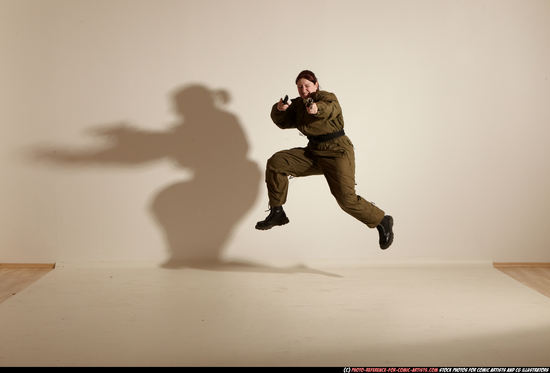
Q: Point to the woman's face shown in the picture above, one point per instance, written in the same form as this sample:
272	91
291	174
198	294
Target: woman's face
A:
306	87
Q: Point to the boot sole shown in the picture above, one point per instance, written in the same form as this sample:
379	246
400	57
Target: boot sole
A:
265	228
391	236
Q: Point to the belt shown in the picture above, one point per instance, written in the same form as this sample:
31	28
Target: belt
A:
328	136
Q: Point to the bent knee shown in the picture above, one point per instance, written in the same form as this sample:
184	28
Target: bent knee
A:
278	161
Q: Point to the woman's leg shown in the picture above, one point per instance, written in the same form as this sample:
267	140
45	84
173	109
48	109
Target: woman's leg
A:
340	175
293	162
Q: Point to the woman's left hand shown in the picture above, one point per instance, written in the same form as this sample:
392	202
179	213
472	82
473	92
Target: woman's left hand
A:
312	109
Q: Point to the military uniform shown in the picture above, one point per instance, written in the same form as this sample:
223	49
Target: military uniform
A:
329	153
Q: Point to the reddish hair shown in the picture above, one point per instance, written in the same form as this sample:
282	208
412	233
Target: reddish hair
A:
306	74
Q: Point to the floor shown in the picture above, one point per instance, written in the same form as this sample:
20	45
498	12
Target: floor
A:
248	315
537	278
14	280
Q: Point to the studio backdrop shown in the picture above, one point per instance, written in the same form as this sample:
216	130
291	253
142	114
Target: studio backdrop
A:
139	130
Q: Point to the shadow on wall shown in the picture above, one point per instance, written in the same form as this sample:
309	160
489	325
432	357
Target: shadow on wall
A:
197	216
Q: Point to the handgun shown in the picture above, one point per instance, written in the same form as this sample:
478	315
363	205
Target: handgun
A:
285	101
309	102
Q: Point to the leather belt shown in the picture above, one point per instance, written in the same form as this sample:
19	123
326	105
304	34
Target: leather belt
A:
328	136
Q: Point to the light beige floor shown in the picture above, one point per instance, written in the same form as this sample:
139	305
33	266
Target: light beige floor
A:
432	315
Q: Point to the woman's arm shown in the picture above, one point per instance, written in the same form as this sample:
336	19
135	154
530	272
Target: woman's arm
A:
284	119
327	105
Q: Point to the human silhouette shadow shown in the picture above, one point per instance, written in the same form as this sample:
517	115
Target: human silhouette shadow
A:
196	216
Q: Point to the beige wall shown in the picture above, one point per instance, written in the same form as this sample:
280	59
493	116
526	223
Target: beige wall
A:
139	130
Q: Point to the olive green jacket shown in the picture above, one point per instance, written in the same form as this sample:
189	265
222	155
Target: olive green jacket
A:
328	119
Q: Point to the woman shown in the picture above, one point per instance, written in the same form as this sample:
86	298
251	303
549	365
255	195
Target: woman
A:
317	114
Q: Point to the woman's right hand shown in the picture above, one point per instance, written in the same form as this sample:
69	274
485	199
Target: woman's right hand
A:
281	106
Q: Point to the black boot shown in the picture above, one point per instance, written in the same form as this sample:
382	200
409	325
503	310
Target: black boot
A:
277	216
385	231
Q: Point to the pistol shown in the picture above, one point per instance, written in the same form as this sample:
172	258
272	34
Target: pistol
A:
309	102
285	101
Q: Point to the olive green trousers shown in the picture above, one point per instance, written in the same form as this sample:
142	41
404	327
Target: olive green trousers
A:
335	159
